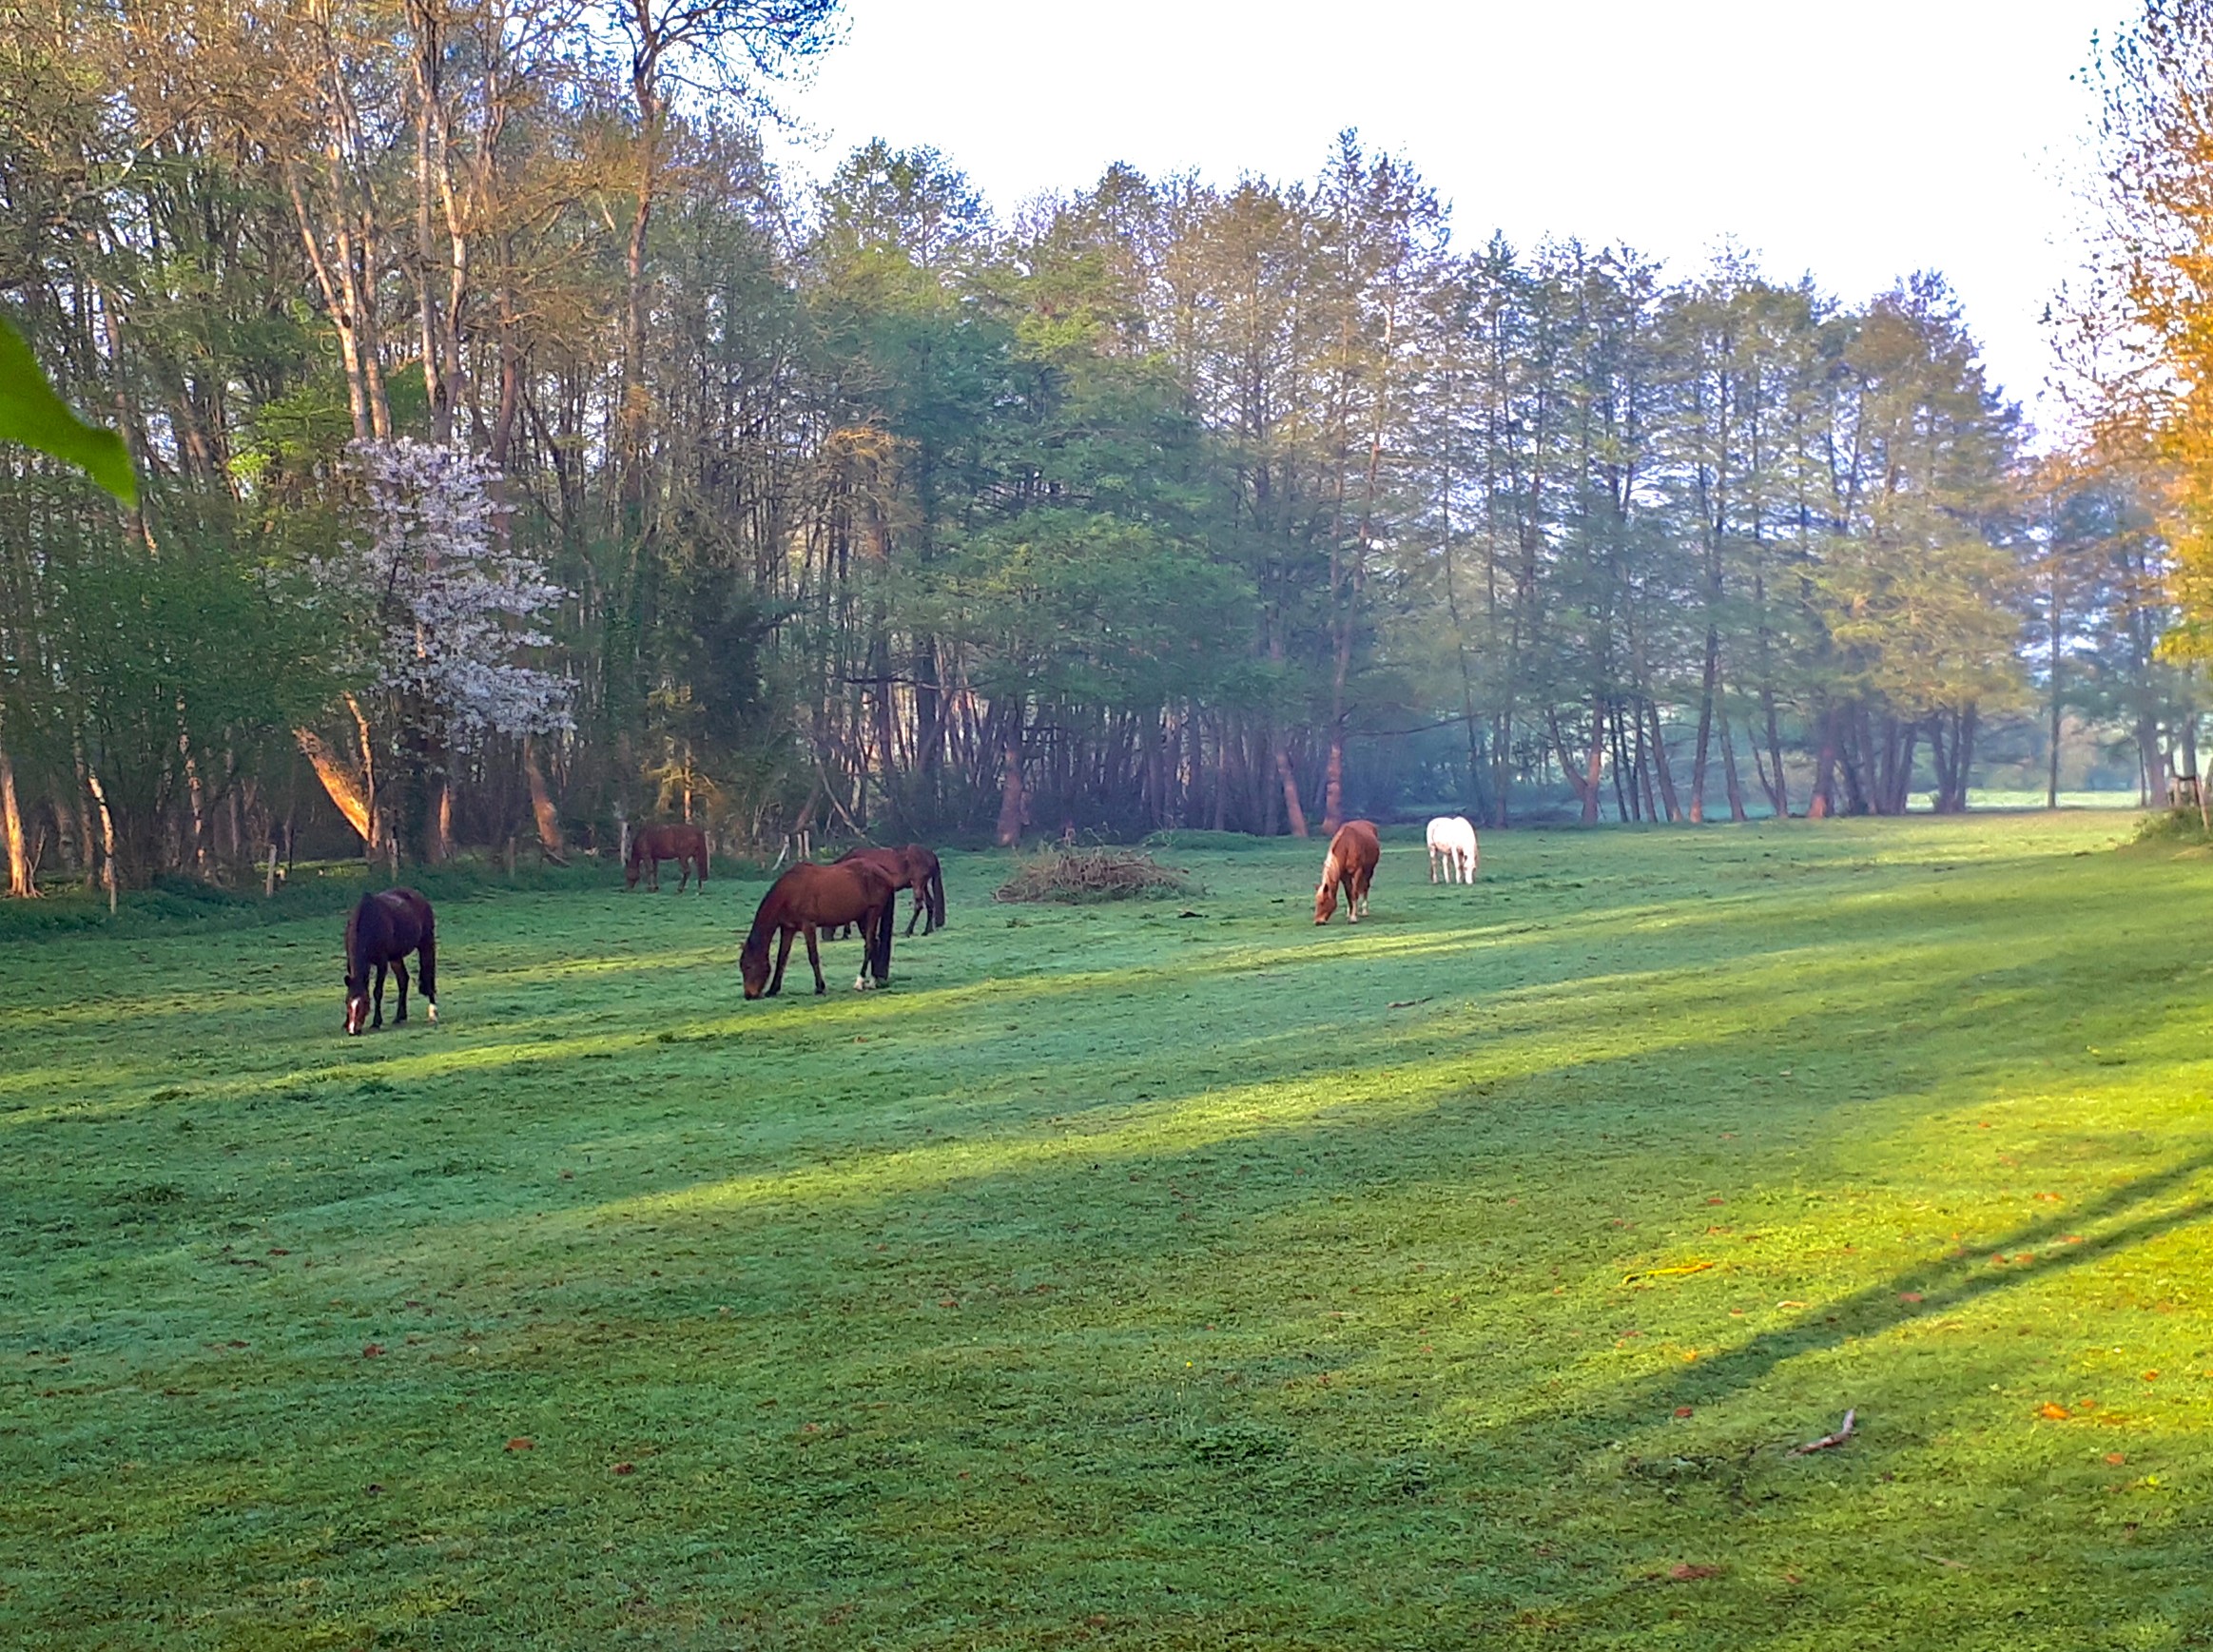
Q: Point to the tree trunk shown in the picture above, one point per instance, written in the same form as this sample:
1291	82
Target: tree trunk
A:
1291	809
542	810
351	787
1778	789
2052	779
1012	803
1824	802
109	873
1963	756
1663	768
1708	685
21	882
1729	776
1589	789
633	351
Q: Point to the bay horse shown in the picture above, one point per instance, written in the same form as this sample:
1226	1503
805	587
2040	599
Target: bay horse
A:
1350	863
685	844
385	927
1452	844
810	898
913	867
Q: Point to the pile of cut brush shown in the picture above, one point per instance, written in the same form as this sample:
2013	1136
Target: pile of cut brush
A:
1074	874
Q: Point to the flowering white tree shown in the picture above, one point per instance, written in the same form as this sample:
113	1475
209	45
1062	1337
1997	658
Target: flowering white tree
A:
453	603
442	610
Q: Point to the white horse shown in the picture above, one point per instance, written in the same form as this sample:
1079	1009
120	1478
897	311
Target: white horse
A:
1453	842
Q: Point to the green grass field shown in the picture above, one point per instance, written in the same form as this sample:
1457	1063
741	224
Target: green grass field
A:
1129	1278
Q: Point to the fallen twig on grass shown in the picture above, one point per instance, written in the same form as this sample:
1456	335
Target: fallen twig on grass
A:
1826	1441
1663	1272
1955	1566
1409	1003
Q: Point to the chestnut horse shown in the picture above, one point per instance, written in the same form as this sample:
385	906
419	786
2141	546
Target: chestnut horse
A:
685	844
810	898
1350	861
385	927
913	867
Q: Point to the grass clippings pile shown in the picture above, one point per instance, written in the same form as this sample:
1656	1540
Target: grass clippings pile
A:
1072	876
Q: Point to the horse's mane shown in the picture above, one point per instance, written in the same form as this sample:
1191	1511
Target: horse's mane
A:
354	930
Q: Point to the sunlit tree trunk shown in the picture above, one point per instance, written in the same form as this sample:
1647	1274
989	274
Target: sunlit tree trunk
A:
20	881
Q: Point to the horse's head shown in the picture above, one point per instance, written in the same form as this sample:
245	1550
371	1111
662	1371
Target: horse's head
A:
637	865
753	963
356	1005
1325	900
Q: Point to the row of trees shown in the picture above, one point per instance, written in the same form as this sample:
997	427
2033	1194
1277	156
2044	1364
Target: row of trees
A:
519	453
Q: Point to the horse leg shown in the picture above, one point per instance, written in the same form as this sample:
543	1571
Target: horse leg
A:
378	1000
399	973
815	957
913	916
682	873
783	953
426	974
1432	863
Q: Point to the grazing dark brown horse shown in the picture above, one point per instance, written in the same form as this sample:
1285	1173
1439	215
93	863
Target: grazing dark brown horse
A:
385	927
685	844
913	867
810	898
1351	863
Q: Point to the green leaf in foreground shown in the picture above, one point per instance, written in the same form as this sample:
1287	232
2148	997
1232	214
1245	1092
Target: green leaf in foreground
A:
31	413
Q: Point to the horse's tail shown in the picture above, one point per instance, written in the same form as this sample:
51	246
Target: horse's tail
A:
887	920
426	975
937	882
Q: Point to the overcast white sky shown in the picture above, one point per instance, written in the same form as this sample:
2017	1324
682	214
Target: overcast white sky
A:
1855	141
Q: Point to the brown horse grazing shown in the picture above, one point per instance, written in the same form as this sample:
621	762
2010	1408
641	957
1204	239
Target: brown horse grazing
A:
810	898
1350	861
913	867
385	927
685	844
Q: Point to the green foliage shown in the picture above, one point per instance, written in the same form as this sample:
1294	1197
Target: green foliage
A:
1110	1257
34	416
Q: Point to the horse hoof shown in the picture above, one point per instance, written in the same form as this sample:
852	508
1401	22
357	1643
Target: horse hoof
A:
862	984
431	1010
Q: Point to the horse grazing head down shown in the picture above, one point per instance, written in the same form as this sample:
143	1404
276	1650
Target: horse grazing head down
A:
383	929
753	962
810	898
1325	891
1349	864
